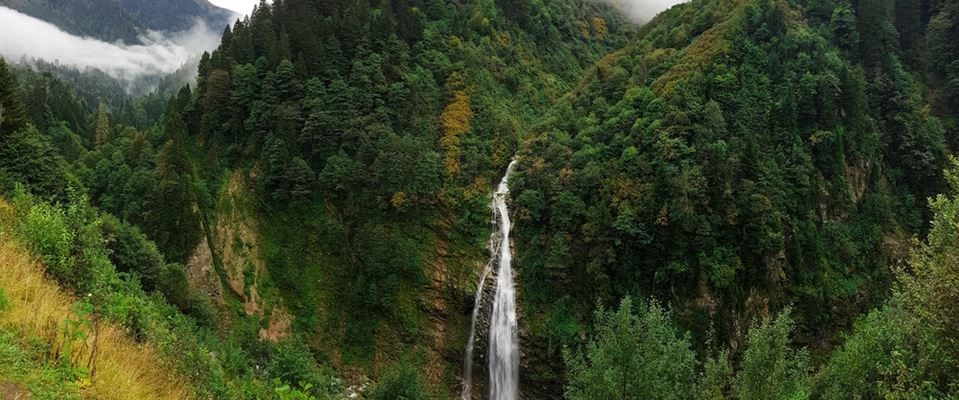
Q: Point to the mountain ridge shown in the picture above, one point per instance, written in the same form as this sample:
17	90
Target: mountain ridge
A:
123	20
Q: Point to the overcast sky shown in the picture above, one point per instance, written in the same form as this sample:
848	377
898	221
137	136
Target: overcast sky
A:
240	6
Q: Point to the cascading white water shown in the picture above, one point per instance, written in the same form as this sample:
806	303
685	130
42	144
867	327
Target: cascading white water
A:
503	337
470	344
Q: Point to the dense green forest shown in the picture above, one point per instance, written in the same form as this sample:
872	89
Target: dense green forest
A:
748	199
736	159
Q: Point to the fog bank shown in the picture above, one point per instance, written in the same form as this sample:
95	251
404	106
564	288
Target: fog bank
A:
641	11
26	37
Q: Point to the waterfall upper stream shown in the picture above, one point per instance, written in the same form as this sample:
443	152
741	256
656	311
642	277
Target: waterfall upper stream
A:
503	342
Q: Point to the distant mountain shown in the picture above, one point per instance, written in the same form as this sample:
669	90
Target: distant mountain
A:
102	19
126	20
175	15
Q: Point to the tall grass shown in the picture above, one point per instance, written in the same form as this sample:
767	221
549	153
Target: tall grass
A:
114	366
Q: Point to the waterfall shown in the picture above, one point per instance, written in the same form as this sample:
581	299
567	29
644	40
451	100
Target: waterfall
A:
503	337
468	362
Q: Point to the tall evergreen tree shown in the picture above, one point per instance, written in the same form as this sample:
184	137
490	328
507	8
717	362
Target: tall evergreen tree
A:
634	355
101	132
12	111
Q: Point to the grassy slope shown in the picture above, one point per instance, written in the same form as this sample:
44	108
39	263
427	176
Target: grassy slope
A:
32	326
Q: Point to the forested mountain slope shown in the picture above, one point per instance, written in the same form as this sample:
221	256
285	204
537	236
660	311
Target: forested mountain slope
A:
370	135
124	20
325	183
102	19
723	203
176	15
736	158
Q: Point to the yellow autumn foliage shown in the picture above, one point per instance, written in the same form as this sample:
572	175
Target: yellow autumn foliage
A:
455	121
599	27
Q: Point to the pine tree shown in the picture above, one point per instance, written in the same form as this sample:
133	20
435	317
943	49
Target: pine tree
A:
771	368
301	179
632	357
101	131
12	111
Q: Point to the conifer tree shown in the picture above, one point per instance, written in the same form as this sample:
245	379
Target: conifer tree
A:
12	112
101	132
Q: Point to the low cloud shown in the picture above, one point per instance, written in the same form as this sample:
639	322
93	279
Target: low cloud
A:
641	11
26	37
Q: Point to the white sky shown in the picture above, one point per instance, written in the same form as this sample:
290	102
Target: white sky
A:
240	6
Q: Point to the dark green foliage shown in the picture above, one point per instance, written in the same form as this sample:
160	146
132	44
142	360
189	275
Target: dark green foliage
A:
732	157
771	368
175	16
102	19
175	225
337	108
941	52
908	348
29	158
12	113
131	252
730	150
292	363
125	20
633	355
400	383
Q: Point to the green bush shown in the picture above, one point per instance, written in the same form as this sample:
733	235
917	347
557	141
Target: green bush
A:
401	383
131	252
29	158
46	233
292	363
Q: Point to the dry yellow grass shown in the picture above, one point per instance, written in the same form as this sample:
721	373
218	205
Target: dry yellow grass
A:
38	308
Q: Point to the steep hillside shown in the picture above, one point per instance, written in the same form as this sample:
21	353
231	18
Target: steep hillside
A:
736	158
331	168
102	19
723	203
371	134
53	345
126	20
176	15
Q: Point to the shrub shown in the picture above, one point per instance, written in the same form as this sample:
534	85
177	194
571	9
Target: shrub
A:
401	383
130	251
292	363
43	228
